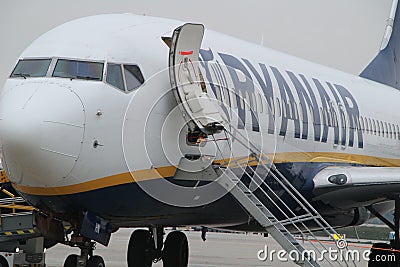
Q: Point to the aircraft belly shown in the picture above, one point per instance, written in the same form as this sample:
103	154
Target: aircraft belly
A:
129	205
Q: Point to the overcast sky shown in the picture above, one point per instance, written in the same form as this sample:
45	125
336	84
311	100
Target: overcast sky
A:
344	34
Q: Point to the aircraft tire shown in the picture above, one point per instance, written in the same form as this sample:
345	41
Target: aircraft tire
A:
71	260
95	261
3	262
140	249
176	250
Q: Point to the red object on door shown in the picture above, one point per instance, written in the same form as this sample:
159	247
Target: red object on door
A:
186	53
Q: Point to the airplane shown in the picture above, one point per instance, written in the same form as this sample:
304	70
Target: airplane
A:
120	121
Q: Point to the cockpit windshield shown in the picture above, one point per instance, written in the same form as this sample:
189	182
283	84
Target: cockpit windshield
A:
125	77
31	68
75	69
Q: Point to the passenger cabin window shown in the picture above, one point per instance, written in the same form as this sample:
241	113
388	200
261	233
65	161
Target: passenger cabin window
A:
133	77
370	126
374	126
82	70
31	68
398	132
378	128
390	131
386	130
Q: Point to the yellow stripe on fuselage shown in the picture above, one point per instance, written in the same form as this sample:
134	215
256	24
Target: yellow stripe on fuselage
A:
169	171
113	180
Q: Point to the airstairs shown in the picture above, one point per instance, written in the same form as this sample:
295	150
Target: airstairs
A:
287	214
274	202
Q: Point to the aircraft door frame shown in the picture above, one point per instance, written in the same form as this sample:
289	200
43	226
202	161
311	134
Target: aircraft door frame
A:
187	81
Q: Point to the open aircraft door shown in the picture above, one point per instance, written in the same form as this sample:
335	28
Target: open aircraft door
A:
187	81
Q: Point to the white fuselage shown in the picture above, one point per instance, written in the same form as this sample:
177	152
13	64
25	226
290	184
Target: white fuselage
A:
63	136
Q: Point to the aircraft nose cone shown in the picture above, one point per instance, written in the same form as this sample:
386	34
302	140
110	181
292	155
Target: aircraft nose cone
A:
41	130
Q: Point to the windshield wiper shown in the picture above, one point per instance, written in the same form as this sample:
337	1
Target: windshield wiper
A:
88	78
84	78
24	75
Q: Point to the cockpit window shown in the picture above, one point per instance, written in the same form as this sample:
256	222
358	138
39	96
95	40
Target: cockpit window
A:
133	77
31	68
79	70
124	77
114	76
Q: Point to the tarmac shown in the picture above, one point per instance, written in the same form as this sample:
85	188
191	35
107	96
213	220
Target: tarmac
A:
220	249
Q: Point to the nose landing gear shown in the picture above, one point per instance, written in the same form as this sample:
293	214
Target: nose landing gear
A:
86	259
146	247
74	260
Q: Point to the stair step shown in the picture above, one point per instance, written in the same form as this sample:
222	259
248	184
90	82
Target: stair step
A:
260	212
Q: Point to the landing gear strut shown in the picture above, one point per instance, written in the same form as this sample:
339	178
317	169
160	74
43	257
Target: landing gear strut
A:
381	254
146	247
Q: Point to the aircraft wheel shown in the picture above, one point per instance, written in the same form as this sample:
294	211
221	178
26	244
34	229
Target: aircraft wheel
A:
176	250
3	262
95	261
141	249
71	260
